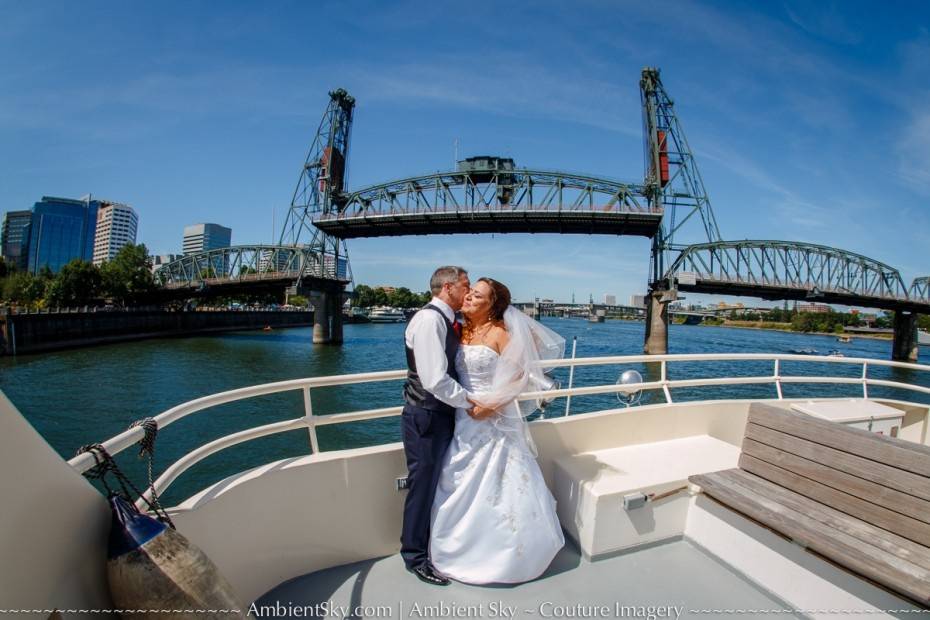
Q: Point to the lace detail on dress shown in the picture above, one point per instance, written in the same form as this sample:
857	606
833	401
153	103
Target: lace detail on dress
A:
475	364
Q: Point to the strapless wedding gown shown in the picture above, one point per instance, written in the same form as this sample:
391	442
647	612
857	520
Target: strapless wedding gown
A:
493	518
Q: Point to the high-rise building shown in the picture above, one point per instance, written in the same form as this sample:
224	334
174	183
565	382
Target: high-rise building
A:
638	301
13	238
60	230
610	300
201	237
160	260
116	227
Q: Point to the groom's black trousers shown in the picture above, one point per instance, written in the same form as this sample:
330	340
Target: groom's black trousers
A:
426	437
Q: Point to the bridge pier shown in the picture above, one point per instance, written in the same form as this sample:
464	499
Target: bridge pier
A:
335	311
321	309
657	322
904	347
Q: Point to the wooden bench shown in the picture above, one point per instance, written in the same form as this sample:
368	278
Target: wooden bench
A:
857	499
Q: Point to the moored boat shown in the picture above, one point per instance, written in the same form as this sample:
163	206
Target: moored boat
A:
386	314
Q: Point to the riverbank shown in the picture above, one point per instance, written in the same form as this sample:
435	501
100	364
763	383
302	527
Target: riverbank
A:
40	333
786	327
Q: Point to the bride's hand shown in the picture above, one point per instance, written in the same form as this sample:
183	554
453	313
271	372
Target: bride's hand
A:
479	411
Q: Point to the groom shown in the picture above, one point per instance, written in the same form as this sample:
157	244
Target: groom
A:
431	394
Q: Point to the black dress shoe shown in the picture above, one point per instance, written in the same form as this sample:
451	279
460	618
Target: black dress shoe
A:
427	574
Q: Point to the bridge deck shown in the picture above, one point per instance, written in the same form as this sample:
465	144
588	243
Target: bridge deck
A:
586	222
709	286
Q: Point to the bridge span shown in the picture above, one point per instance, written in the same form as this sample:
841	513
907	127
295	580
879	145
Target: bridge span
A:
792	270
491	195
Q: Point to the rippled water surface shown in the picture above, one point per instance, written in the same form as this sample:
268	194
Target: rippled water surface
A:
87	395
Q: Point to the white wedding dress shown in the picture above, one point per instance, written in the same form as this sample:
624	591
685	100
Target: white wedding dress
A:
493	518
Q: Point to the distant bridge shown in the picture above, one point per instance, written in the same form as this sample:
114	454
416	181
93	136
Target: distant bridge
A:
555	308
249	269
490	195
793	270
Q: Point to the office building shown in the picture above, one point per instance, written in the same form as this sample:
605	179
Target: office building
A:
815	308
60	230
202	237
277	261
610	300
116	227
638	301
13	238
161	260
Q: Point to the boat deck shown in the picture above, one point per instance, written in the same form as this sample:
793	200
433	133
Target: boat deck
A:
677	577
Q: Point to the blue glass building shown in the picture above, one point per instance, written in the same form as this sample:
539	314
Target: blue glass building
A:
13	237
61	230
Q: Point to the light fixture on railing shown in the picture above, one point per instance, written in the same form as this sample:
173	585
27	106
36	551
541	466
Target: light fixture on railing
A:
545	382
629	396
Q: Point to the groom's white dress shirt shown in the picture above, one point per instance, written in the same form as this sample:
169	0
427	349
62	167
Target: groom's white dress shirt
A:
426	335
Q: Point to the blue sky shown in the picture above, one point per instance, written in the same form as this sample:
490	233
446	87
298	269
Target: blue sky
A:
810	120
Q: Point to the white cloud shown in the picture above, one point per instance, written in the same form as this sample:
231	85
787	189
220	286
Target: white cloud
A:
914	151
508	84
823	20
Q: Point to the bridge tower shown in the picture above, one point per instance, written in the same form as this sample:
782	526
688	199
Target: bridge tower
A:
674	185
320	190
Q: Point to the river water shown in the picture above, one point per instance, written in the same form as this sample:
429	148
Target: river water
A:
87	395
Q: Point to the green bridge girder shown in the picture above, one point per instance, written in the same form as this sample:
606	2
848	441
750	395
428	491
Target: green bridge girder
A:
793	270
277	266
492	200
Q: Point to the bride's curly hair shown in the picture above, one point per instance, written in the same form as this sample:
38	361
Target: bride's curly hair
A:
500	298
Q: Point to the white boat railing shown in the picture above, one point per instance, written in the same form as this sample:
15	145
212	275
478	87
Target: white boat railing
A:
128	438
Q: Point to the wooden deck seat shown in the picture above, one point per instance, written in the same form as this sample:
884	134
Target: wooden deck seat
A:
860	500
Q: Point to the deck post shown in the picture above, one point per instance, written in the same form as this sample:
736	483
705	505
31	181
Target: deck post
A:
904	347
321	308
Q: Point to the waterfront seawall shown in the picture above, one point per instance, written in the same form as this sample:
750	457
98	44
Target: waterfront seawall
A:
36	333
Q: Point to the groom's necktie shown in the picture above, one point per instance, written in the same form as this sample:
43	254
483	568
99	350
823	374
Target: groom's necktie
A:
457	328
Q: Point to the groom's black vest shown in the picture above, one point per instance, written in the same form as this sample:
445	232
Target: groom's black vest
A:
414	392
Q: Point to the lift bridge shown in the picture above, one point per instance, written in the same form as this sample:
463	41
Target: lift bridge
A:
489	194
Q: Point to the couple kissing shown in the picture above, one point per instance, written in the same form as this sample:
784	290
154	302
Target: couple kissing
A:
477	508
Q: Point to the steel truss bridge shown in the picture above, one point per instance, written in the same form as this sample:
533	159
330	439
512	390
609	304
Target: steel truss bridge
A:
491	195
793	270
496	199
249	269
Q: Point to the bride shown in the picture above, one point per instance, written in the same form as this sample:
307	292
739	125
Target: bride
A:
493	518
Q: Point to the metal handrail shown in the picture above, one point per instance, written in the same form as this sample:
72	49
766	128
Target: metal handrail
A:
128	438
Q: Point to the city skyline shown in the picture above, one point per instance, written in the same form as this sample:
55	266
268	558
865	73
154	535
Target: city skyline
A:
57	230
807	121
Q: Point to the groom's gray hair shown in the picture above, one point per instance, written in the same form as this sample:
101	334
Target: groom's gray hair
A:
448	274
